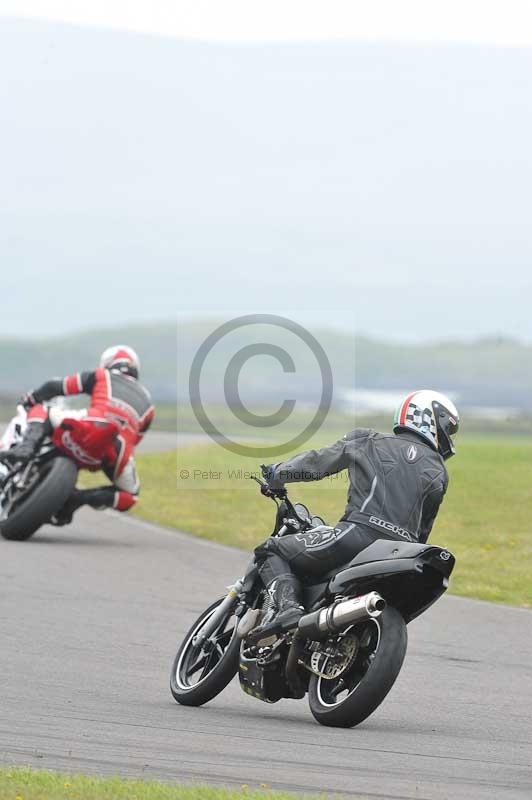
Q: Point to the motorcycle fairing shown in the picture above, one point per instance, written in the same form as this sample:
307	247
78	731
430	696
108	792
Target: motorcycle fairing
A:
86	441
409	576
382	549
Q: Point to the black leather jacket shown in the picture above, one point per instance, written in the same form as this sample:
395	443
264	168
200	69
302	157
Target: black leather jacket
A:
396	481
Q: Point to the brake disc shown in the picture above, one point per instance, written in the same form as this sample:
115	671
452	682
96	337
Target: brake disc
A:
328	666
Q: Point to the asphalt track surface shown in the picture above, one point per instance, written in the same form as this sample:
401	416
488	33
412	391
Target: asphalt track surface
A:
90	618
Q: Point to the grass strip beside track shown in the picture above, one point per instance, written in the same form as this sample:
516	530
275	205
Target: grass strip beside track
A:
29	784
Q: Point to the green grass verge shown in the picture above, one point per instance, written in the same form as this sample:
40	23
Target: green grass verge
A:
29	784
486	518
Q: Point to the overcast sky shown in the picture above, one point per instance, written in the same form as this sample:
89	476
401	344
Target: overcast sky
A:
501	22
383	187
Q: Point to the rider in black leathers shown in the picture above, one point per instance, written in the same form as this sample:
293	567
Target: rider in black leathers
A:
396	485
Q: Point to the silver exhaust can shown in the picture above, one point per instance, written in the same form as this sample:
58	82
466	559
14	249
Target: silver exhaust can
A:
340	615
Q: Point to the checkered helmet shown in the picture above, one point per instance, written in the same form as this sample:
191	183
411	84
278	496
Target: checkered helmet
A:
431	415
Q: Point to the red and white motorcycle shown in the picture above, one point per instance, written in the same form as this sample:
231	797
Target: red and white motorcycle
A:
32	493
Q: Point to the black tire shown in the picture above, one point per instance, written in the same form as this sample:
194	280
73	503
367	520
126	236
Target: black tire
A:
369	691
222	670
50	494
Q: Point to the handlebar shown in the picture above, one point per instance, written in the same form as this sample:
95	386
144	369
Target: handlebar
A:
276	495
280	497
267	491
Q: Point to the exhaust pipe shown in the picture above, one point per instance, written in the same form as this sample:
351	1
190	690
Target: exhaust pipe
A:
320	624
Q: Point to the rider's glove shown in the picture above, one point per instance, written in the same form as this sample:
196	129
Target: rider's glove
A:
28	400
273	485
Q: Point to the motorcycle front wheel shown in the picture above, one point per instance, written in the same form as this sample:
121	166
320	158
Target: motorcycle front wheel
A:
202	671
347	700
50	487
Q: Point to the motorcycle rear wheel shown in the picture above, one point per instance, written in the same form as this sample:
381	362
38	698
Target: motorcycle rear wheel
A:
349	699
216	661
55	485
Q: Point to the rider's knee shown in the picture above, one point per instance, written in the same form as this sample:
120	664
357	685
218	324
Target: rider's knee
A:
266	548
128	480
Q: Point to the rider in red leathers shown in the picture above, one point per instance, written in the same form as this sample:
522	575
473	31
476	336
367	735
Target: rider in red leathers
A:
103	436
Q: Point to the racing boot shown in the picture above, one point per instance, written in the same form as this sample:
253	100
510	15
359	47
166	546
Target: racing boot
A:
101	497
286	590
33	437
65	514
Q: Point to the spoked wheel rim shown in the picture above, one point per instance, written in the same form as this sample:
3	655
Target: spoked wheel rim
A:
332	693
17	497
197	662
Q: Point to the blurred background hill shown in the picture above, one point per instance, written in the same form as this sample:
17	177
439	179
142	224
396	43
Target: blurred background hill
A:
495	373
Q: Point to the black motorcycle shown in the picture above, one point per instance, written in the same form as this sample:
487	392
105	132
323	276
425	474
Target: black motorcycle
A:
347	650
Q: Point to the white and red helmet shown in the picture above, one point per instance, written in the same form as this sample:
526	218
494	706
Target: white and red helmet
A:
433	416
121	358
